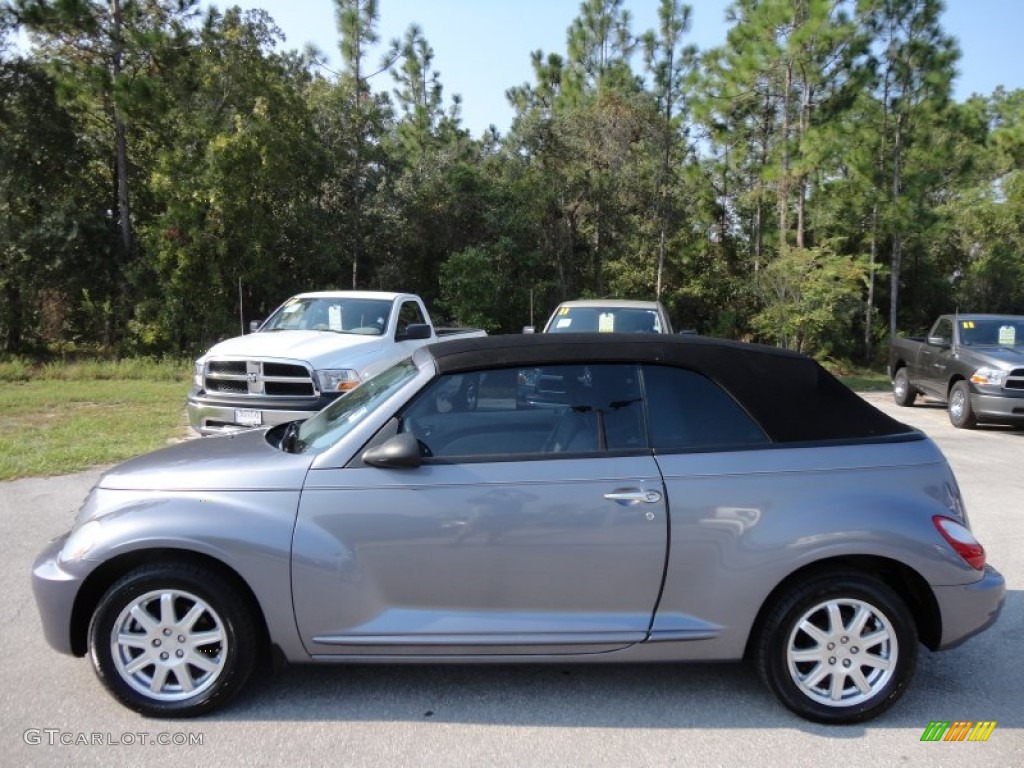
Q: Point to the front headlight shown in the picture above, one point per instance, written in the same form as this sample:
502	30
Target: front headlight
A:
990	376
337	380
198	369
81	540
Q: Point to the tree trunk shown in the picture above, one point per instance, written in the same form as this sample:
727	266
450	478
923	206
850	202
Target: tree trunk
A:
784	180
124	219
13	317
897	240
869	309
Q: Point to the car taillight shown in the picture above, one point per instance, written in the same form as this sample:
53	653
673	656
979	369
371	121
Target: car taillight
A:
962	540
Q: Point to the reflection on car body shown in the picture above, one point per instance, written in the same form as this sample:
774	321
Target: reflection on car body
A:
587	498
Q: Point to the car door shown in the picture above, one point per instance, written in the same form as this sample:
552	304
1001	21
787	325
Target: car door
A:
534	527
934	359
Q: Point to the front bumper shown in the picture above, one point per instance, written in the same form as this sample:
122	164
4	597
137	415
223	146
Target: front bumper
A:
1002	408
55	590
212	416
968	609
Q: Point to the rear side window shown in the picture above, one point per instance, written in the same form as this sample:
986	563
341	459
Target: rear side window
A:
689	412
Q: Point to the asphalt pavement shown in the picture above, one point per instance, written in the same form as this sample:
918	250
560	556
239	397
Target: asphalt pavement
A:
54	712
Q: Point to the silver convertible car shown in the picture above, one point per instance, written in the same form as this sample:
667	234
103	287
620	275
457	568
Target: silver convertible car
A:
564	498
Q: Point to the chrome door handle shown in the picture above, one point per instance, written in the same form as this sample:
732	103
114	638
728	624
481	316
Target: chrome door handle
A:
632	496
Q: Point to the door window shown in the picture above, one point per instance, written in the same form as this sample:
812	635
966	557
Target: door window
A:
536	412
944	330
409	314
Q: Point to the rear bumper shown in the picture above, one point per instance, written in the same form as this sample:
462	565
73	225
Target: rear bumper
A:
212	416
968	609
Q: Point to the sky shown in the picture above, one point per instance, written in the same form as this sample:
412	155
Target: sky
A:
482	47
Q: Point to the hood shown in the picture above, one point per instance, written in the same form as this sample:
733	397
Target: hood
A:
242	461
318	348
993	354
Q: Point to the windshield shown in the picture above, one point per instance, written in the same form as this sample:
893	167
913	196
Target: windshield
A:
363	316
992	331
605	320
340	417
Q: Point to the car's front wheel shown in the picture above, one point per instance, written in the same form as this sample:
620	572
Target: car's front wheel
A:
840	648
173	640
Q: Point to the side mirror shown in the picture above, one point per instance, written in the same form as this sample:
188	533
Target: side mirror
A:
529	329
254	325
402	450
938	341
414	332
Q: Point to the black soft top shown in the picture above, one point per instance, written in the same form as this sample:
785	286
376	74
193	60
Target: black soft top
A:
790	395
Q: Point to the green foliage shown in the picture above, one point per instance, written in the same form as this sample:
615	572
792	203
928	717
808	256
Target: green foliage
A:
808	293
469	282
166	176
986	224
17	368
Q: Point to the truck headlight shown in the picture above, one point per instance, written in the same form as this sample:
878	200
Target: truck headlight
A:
337	380
198	369
990	376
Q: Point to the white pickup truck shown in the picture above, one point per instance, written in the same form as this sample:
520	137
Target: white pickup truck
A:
313	348
608	316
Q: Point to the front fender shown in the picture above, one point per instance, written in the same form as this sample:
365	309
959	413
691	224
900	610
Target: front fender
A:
248	532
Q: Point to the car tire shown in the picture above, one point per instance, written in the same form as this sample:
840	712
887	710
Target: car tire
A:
961	413
173	640
902	392
840	648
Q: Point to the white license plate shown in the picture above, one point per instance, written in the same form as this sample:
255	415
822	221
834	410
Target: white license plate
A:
248	418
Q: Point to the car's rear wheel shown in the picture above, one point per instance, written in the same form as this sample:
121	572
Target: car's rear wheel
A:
902	392
961	413
840	648
173	640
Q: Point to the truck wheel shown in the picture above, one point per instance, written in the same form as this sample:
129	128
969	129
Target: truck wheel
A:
961	414
840	648
173	640
902	392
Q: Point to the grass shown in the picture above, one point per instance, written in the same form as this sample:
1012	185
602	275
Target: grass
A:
867	381
15	369
60	418
859	379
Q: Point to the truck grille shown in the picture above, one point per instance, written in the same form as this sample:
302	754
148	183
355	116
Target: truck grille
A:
1016	379
258	378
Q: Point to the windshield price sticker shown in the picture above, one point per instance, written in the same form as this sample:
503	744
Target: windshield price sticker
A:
606	322
1007	335
334	317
